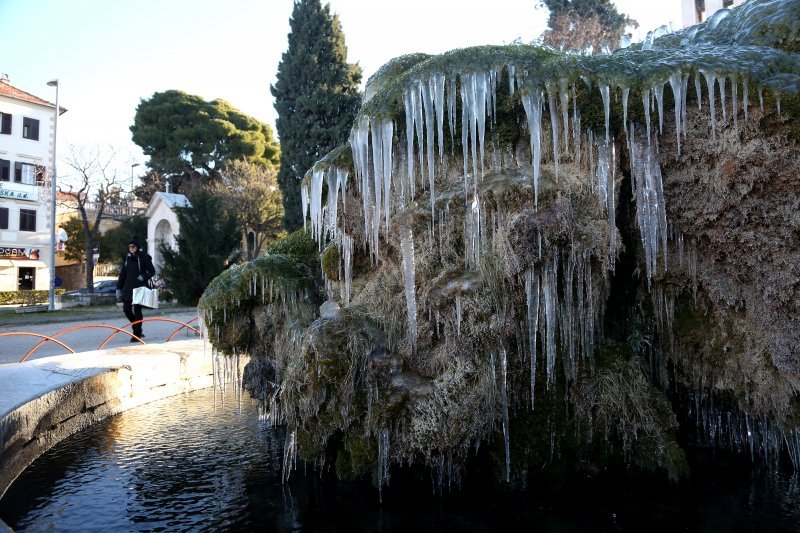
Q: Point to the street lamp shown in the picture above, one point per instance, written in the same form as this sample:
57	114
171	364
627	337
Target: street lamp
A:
133	165
52	292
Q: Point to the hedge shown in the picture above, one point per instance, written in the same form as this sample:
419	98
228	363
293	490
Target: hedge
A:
26	297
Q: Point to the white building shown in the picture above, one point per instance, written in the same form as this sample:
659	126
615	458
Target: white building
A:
26	155
162	223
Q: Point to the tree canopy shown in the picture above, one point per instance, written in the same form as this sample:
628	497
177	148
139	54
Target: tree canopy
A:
189	139
207	244
577	24
316	97
249	192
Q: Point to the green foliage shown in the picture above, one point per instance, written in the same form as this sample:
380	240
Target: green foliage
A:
26	297
605	10
316	97
298	245
75	247
207	242
114	242
250	194
189	139
330	262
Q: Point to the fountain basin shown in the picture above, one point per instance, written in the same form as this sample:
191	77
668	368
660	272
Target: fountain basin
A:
46	400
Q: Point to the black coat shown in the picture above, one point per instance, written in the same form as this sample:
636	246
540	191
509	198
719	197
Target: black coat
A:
134	266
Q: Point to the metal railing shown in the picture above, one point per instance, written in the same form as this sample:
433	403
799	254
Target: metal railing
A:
52	338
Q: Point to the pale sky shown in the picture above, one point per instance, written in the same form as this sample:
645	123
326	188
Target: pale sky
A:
110	54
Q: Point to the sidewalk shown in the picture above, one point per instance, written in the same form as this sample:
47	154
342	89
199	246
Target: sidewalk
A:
8	316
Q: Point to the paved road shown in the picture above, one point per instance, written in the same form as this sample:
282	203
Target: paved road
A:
13	348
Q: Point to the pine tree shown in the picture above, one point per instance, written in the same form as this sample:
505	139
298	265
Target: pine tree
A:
207	244
576	25
316	97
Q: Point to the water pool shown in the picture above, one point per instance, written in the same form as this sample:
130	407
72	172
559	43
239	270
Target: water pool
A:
184	464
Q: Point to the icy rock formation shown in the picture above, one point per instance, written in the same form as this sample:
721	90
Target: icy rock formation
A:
549	259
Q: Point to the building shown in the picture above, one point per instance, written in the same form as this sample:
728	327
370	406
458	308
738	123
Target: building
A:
162	223
27	128
696	11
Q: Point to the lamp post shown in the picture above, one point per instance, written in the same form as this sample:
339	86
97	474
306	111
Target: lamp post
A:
52	305
132	166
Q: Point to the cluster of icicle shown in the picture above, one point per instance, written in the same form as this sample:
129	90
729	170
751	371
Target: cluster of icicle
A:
571	316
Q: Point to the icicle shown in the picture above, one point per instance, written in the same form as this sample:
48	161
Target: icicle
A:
305	202
289	455
451	109
437	87
626	91
722	80
410	104
532	294
563	94
511	76
317	177
646	103
745	96
383	459
427	100
658	92
551	102
761	98
550	293
605	93
710	81
676	83
734	100
698	91
458	314
407	248
650	208
347	252
504	402
532	102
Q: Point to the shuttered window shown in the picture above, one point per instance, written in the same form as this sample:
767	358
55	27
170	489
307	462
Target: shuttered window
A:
27	220
5	123
30	128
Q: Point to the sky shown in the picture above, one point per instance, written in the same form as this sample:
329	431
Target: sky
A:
109	55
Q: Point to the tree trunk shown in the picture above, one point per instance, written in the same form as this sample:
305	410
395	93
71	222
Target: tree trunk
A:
89	261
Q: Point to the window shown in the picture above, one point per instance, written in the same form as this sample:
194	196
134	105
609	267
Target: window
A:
3	218
25	173
30	128
27	220
5	170
5	123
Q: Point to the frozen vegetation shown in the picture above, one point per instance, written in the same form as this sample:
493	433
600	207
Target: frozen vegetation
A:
543	261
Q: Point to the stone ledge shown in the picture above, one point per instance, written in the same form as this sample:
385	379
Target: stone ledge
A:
45	400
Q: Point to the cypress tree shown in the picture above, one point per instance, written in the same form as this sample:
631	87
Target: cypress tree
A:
316	97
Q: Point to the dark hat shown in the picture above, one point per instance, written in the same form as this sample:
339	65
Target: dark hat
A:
135	240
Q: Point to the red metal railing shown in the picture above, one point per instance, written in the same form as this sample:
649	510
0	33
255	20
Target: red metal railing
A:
52	338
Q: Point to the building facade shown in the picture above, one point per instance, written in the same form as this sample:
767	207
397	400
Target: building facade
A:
162	223
26	153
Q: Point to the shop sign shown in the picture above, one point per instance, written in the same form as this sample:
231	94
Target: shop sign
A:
19	253
18	191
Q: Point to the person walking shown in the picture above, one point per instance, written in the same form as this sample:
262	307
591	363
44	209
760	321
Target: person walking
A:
136	269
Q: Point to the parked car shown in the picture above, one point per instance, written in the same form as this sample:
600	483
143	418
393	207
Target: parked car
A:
106	286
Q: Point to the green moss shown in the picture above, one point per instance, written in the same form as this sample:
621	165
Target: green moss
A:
330	262
298	245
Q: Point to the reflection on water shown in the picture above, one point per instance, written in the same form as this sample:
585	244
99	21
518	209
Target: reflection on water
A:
180	464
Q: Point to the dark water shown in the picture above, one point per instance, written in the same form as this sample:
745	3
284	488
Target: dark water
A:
182	465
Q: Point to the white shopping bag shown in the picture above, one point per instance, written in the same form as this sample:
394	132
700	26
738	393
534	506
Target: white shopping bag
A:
145	297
